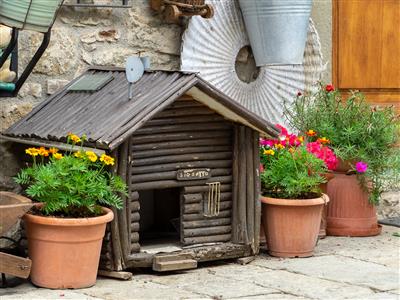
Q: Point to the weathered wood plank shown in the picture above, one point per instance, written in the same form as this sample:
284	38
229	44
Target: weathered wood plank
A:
206	231
186	119
196	198
165	184
182	165
144	139
15	265
161	144
201	156
171	175
117	275
249	185
179	128
257	192
175	151
207	239
184	112
235	185
206	223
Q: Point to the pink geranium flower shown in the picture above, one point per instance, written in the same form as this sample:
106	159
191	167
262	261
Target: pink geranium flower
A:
361	167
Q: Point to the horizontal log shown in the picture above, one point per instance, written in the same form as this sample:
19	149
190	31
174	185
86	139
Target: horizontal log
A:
185	120
206	223
140	260
199	189
181	158
185	111
207	231
134	237
207	239
198	207
171	175
166	184
134	196
174	151
212	164
151	138
185	103
135	247
197	198
227	141
134	206
135	217
201	217
182	128
134	227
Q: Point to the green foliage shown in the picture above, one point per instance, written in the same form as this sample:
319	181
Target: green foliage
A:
292	175
72	185
356	131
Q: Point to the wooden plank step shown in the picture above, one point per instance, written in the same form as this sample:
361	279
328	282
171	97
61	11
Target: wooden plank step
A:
15	265
173	262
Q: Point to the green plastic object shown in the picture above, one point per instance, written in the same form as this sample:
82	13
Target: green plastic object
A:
6	86
23	14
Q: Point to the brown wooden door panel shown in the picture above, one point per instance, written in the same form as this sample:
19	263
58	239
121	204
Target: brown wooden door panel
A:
366	49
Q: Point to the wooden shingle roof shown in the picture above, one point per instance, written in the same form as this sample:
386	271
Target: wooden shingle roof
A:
108	117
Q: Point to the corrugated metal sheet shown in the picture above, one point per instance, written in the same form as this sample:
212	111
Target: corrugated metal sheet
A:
107	116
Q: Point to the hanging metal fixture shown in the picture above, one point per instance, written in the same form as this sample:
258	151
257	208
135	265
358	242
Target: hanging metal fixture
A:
80	3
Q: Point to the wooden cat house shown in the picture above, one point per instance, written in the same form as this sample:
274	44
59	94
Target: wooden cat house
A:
188	153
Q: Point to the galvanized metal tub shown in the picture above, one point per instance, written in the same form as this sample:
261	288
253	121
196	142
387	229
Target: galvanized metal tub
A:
37	15
277	29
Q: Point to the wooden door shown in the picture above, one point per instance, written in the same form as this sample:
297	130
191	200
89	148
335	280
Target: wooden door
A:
366	49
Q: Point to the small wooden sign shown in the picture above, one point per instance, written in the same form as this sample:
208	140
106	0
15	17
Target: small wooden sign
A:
193	174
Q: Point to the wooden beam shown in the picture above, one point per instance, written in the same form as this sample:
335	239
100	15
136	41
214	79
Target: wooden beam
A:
15	265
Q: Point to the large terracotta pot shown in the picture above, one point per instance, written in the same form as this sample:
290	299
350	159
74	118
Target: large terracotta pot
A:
65	252
291	226
324	188
349	212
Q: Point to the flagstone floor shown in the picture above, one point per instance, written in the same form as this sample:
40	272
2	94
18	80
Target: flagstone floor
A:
342	268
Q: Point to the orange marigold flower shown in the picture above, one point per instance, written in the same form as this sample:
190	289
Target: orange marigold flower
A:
92	156
53	150
32	151
291	150
74	138
58	155
324	140
43	151
300	139
279	146
269	152
311	133
107	160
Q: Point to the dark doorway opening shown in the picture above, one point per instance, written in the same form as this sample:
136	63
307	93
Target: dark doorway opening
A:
159	217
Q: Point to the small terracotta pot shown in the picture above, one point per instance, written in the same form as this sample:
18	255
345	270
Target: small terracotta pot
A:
324	187
349	212
65	252
291	226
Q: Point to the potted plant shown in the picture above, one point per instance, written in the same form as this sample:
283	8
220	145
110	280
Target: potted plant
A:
65	230
364	138
292	200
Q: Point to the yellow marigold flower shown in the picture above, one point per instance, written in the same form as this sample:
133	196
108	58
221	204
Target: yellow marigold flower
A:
53	150
279	146
269	152
78	154
108	160
324	140
74	138
92	156
300	139
57	155
32	151
43	151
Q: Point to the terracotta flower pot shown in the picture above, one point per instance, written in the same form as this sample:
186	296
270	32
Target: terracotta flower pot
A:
291	226
324	187
349	212
65	252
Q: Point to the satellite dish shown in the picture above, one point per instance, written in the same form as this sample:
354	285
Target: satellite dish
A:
134	70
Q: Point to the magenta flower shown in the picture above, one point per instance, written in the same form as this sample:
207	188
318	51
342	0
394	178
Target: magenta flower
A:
361	167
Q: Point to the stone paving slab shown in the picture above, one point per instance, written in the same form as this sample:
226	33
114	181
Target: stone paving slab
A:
342	268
